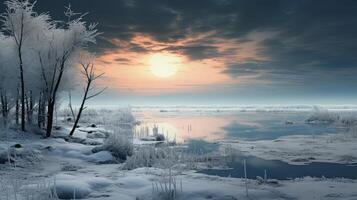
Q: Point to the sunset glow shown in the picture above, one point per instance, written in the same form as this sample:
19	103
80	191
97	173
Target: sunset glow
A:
164	65
221	54
228	99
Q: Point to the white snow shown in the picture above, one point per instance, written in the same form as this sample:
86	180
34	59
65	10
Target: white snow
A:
101	157
302	149
74	169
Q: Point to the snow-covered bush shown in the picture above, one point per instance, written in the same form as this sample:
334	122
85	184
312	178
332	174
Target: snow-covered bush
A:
320	115
120	145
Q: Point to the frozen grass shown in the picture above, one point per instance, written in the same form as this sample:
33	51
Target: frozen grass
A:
193	156
325	116
168	188
143	133
15	188
149	156
23	156
122	116
321	115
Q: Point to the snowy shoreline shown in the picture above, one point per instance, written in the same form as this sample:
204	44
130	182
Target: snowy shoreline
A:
69	164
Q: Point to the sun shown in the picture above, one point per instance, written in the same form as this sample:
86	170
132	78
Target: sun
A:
164	65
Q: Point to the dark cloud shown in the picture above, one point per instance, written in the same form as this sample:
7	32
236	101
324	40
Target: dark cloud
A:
122	60
243	69
196	52
201	52
312	37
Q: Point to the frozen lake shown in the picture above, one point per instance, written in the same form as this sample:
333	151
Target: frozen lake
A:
226	125
213	125
283	171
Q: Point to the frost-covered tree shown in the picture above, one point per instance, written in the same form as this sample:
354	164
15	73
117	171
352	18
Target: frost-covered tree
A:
59	54
8	78
22	24
42	55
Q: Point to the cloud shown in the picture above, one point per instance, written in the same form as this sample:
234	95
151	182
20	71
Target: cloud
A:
243	69
310	40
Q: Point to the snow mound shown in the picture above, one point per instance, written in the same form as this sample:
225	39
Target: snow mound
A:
101	157
133	182
78	187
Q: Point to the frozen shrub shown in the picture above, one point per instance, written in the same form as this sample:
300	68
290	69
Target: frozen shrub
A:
120	145
321	115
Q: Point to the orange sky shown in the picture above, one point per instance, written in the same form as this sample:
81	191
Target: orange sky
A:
130	71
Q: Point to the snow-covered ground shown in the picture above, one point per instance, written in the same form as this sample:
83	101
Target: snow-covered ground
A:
71	167
302	149
339	147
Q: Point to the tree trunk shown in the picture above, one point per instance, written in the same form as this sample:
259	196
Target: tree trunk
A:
23	122
17	108
4	107
39	111
51	102
43	111
27	108
51	106
30	107
80	109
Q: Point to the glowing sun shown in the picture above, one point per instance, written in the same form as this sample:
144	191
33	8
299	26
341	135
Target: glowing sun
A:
164	65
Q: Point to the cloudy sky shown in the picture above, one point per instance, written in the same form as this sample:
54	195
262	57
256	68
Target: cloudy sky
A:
223	51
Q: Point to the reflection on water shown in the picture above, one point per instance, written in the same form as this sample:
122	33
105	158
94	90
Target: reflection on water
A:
213	126
282	171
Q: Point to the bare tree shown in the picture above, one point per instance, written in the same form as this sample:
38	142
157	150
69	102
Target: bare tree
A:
88	71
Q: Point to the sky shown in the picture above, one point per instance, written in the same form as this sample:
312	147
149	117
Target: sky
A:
222	52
